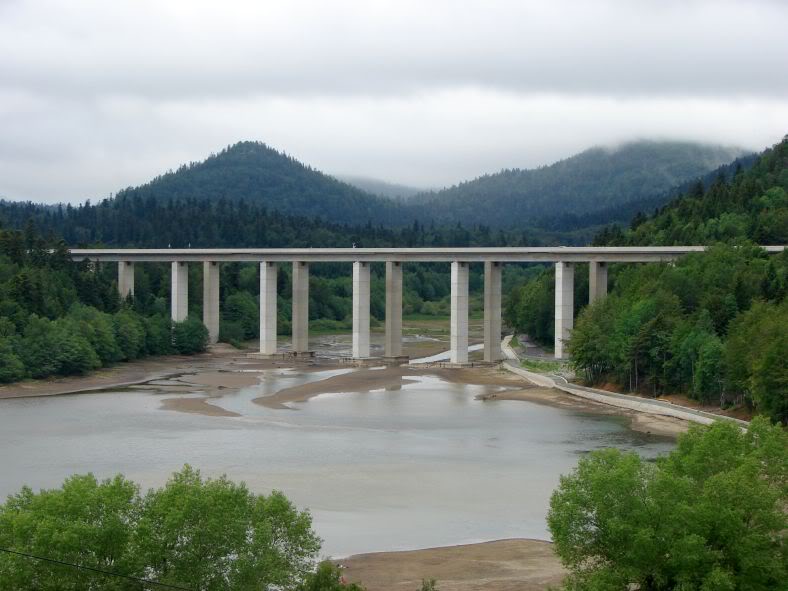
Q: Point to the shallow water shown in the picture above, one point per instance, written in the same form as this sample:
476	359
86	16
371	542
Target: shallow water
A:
423	465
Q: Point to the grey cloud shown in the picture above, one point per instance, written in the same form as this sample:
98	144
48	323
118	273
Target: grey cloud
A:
97	95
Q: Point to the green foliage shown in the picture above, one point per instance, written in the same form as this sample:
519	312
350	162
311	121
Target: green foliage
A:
242	309
429	585
193	532
328	577
708	516
592	187
753	204
686	328
755	358
58	317
726	341
189	336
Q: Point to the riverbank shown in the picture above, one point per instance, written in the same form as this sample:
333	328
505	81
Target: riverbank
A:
502	565
224	369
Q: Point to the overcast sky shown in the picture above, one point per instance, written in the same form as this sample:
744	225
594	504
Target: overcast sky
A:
99	95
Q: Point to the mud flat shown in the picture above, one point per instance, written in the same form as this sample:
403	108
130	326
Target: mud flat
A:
503	565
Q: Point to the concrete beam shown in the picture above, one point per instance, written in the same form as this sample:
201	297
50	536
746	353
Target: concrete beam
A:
492	311
573	254
597	281
179	292
393	309
210	299
300	322
360	310
564	306
268	272
458	329
125	279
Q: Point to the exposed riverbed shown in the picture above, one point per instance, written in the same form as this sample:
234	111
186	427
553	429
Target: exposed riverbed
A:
385	459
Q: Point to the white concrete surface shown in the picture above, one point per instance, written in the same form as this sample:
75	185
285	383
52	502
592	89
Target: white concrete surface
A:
574	254
125	279
393	339
179	292
492	311
458	327
300	307
360	310
597	281
564	306
210	299
268	310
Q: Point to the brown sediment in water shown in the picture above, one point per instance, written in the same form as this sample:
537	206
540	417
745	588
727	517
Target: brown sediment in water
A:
357	381
221	379
503	565
199	406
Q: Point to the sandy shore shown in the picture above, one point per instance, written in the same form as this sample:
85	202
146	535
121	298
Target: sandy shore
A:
367	379
641	422
504	565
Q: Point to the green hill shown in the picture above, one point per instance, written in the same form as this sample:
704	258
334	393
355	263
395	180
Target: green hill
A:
594	180
590	189
256	173
751	205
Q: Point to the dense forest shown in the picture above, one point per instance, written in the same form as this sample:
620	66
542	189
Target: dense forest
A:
714	325
58	317
256	173
591	189
618	182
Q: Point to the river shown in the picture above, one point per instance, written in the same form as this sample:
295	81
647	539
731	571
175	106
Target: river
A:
425	464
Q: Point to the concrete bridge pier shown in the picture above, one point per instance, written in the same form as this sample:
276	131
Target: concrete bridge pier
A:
458	328
492	311
393	346
300	321
210	299
268	273
564	305
125	279
597	281
360	310
179	293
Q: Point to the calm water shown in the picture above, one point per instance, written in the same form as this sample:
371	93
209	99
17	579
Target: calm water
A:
424	465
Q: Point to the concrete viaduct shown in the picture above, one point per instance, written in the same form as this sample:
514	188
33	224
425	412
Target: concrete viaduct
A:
564	259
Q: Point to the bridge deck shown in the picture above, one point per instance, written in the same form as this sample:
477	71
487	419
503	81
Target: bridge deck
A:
567	254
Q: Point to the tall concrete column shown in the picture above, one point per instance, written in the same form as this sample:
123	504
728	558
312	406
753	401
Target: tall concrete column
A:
597	281
492	311
360	310
125	279
300	307
179	293
393	309
210	299
458	328
564	306
268	273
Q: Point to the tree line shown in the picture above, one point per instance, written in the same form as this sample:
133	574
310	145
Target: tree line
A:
58	317
712	325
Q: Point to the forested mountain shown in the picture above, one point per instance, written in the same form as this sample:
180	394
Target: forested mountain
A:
180	223
381	188
591	189
713	326
255	173
748	205
631	177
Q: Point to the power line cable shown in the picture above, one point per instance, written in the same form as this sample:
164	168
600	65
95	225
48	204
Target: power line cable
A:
95	570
